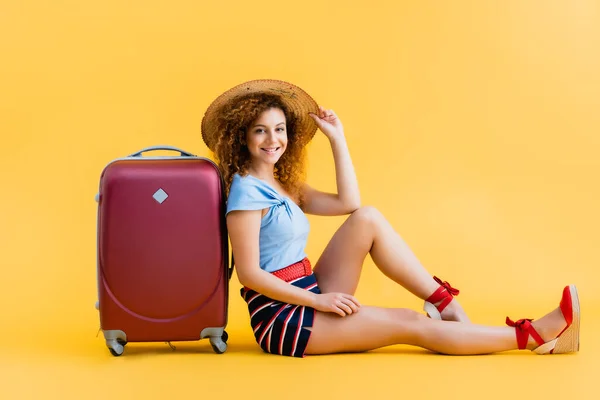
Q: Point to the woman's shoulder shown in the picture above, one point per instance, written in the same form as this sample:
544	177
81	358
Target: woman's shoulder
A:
245	183
249	193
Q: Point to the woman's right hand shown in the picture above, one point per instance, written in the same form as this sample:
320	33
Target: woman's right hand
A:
339	303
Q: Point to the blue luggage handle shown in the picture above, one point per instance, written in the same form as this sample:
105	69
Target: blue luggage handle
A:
161	147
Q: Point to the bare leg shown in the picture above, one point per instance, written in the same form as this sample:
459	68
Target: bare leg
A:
374	327
367	231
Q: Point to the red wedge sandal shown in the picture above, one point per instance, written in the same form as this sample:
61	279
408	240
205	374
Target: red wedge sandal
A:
567	341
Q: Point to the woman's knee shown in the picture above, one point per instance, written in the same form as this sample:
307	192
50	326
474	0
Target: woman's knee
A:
367	215
409	323
407	316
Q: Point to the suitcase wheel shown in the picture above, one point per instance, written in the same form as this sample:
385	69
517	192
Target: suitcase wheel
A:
219	348
116	347
116	350
219	344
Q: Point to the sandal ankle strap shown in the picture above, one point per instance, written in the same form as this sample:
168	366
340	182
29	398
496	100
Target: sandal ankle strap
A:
524	328
444	293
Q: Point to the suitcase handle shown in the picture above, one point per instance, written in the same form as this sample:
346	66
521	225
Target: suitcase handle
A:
161	147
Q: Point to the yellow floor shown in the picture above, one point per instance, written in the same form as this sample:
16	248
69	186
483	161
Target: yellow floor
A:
50	363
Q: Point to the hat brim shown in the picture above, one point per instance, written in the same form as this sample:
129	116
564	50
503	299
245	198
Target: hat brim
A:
296	99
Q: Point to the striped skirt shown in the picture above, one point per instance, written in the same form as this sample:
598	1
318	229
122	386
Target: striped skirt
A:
280	328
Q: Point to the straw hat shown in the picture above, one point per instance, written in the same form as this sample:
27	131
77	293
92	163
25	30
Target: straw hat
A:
296	99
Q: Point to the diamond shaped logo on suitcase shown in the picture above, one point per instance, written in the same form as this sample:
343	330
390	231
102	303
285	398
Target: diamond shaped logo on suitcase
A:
160	196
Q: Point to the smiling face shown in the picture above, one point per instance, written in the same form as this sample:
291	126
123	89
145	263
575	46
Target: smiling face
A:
267	138
260	135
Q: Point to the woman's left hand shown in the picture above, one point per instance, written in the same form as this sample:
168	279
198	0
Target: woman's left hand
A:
329	123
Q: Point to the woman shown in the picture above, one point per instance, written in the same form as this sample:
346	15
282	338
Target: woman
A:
257	131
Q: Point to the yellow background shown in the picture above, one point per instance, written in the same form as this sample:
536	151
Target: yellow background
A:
473	126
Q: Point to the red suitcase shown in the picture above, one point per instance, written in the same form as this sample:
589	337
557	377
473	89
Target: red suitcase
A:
163	270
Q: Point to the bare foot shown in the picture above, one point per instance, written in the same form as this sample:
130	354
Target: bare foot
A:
455	312
549	327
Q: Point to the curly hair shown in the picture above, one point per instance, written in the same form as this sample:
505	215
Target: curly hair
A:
231	152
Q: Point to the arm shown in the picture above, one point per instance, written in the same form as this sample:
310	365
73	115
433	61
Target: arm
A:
347	198
244	229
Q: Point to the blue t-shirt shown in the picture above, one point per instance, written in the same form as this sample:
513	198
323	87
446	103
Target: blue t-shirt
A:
284	228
